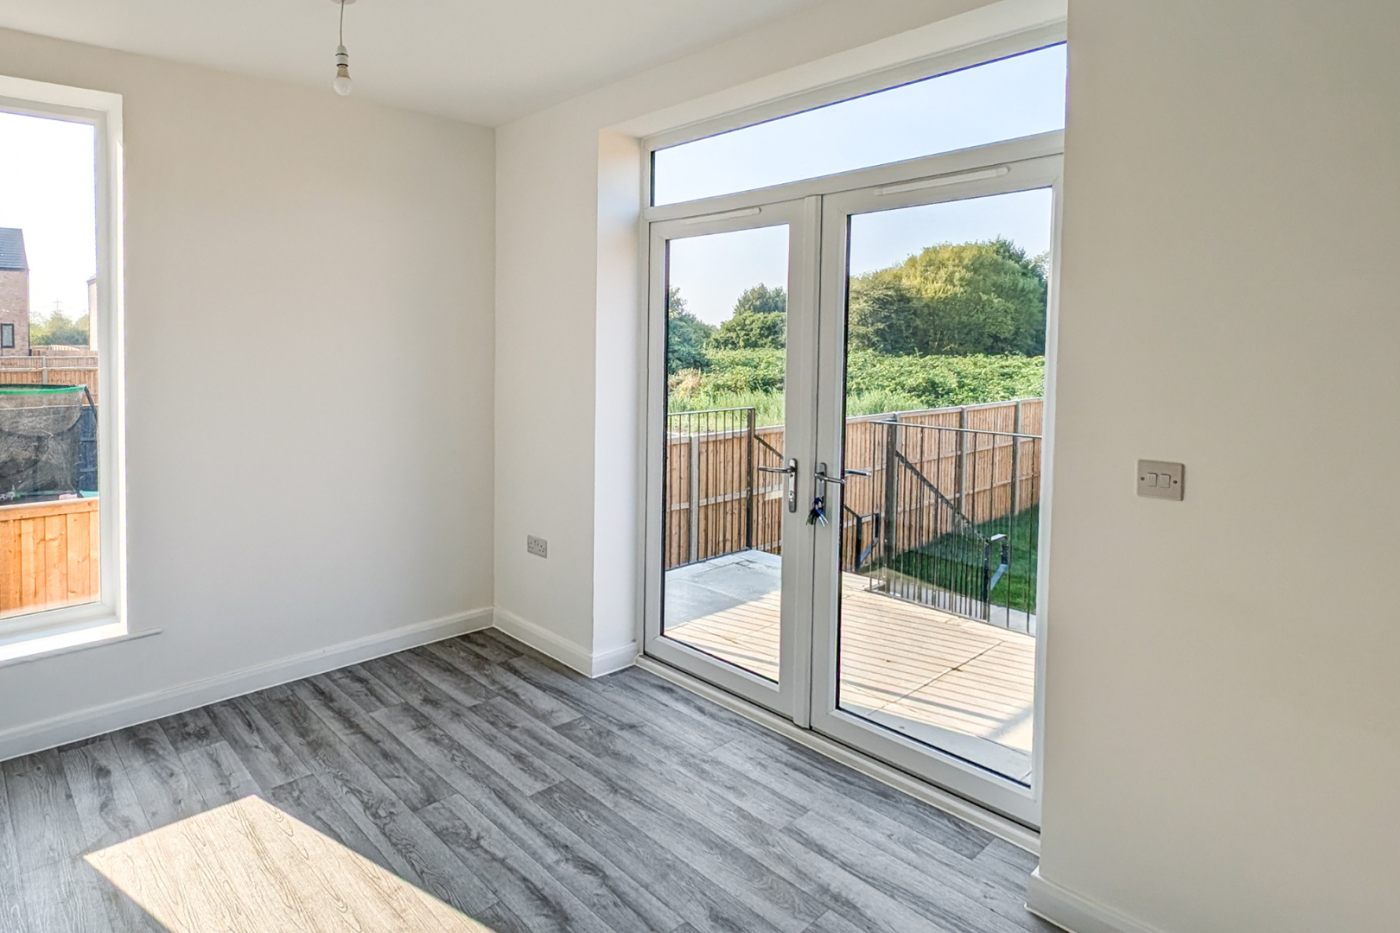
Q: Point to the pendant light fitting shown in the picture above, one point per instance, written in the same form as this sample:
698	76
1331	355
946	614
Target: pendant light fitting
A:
342	83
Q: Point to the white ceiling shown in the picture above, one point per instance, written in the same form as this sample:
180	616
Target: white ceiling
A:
487	61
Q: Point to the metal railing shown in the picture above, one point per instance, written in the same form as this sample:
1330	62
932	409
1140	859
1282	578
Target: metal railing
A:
960	520
941	515
718	498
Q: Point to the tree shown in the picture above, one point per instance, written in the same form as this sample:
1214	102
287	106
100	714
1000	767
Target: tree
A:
686	335
759	321
59	328
953	299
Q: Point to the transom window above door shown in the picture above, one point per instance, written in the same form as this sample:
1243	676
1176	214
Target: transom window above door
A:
1009	98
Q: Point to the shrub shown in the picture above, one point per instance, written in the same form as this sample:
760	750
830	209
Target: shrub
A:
876	383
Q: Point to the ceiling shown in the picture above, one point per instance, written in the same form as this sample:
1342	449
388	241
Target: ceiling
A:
486	61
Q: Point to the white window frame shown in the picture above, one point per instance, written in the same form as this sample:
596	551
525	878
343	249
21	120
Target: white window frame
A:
54	629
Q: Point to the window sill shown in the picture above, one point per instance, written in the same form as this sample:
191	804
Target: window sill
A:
40	645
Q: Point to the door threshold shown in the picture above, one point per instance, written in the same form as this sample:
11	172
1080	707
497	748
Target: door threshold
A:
1000	826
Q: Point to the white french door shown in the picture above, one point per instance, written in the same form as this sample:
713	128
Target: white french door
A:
729	565
905	624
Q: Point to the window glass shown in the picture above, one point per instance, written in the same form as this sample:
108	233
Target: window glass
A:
50	516
1006	99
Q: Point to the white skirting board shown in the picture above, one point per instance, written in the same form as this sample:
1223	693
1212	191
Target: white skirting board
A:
72	727
566	652
1070	911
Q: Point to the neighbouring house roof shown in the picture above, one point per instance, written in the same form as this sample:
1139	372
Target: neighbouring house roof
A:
12	257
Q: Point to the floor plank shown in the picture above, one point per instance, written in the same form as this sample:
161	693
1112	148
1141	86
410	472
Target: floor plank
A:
190	730
157	774
522	885
264	753
611	894
768	894
414	852
10	918
413	782
368	692
42	815
106	804
476	785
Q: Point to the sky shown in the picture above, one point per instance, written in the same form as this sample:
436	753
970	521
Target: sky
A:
48	189
1006	99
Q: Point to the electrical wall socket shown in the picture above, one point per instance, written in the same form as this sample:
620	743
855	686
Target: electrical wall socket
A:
1157	479
537	546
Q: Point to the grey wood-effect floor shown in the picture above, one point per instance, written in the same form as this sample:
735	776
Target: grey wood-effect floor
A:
526	796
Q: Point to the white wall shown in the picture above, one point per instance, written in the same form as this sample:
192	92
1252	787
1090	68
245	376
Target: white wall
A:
568	198
1222	743
309	345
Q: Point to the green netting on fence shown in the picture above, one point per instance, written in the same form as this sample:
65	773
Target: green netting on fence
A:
41	440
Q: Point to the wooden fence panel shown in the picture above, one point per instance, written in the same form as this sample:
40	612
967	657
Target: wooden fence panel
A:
49	555
50	370
984	476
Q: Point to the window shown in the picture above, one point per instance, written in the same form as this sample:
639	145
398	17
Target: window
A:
59	277
1023	95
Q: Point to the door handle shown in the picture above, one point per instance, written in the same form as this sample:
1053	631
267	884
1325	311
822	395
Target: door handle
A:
823	478
790	471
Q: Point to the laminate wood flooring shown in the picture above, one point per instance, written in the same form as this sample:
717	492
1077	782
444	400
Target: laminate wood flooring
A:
476	786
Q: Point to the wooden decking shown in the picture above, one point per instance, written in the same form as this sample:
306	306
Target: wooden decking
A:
960	685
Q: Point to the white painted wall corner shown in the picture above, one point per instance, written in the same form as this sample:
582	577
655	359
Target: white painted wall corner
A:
577	657
1076	913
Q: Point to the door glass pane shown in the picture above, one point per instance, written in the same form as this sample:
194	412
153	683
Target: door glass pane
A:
49	384
726	358
944	375
1006	99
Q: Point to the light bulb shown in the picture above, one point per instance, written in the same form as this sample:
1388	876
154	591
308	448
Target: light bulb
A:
342	83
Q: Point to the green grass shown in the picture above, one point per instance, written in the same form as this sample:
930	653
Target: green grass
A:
938	563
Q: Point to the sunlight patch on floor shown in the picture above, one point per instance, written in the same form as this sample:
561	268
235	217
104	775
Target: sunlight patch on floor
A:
248	866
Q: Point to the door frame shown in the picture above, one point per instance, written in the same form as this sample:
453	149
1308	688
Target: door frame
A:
931	179
937	766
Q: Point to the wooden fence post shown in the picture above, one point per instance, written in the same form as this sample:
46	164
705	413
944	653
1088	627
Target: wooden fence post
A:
1016	462
891	489
694	496
749	480
958	480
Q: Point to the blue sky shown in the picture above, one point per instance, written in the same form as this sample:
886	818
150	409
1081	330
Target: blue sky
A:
47	188
1006	99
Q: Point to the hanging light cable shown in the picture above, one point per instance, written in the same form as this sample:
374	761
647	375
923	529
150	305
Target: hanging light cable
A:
342	83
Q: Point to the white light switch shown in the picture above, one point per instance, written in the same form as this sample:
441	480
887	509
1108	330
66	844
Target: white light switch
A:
1158	479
